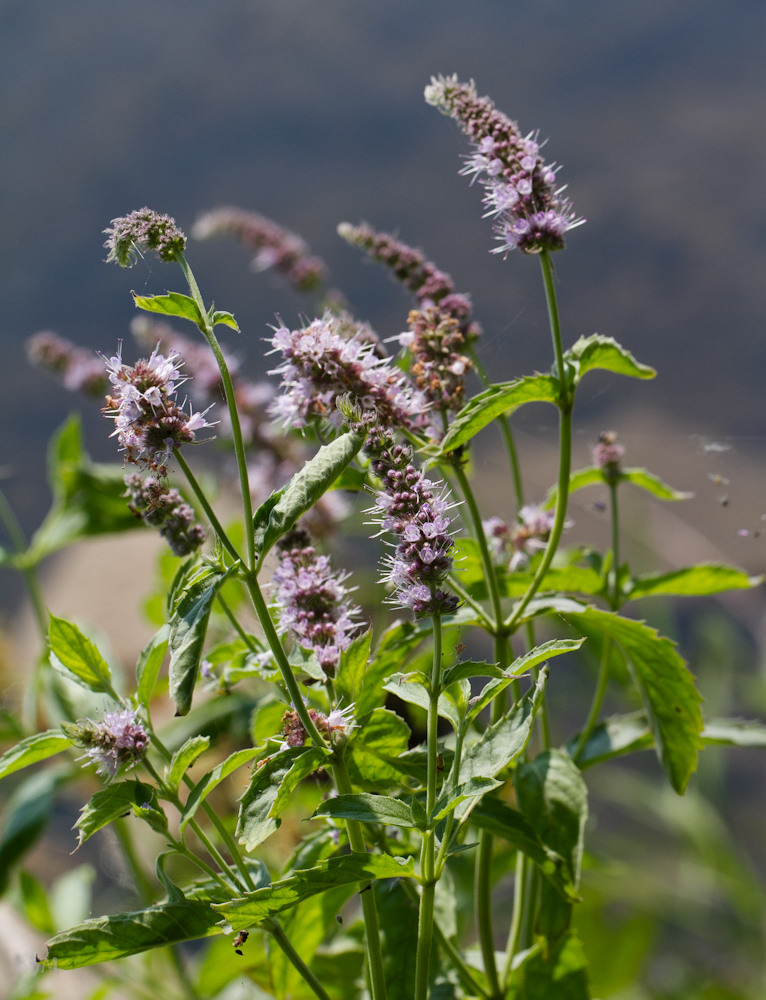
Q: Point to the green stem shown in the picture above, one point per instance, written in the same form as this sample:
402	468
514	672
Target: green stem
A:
231	402
553	316
514	934
427	854
205	504
143	885
369	909
505	429
543	714
274	928
481	538
463	594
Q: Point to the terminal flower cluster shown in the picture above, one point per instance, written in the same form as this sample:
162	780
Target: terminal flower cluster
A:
78	369
142	230
527	537
414	510
608	454
519	186
274	246
320	364
312	601
120	740
337	723
439	367
164	508
149	423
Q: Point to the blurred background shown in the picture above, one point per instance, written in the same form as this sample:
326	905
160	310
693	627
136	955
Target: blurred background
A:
312	113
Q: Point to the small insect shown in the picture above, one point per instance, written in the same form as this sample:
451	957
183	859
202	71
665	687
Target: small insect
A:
460	648
339	918
239	940
723	501
717	479
440	763
599	505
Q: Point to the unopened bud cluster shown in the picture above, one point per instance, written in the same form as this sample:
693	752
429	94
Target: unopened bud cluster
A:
608	454
414	510
149	424
120	740
274	246
519	186
164	508
439	367
142	230
334	726
312	601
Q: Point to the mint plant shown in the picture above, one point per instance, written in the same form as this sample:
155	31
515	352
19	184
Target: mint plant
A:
261	621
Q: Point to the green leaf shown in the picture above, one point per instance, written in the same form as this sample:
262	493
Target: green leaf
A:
734	733
272	784
519	666
188	627
374	748
348	869
578	480
500	743
109	804
705	578
653	484
151	812
350	677
35	902
226	318
25	816
598	351
209	781
398	918
395	646
470	668
280	512
505	397
415	693
670	699
561	975
367	809
350	479
622	734
500	820
183	759
105	939
149	664
33	749
462	799
78	656
172	304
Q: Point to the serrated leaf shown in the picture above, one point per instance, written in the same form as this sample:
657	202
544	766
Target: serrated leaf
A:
109	804
367	809
171	304
33	749
188	627
282	895
78	656
272	784
561	974
505	397
151	812
208	781
621	734
462	799
350	677
183	759
705	578
602	352
374	748
105	939
540	654
500	743
398	917
667	690
274	519
501	820
149	664
416	694
225	318
470	668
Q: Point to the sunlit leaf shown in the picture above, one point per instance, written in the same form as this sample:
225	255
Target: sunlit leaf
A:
367	808
598	351
33	749
209	781
172	304
183	759
705	578
78	656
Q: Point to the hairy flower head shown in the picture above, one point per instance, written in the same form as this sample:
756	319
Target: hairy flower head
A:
142	230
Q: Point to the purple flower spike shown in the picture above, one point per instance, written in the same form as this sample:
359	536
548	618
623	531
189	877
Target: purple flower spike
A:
166	509
143	230
120	740
519	186
78	369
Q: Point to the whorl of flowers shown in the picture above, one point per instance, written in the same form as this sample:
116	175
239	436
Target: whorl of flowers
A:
519	186
414	510
608	454
320	365
120	740
528	536
149	423
78	369
275	246
312	601
439	368
164	508
143	229
333	727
